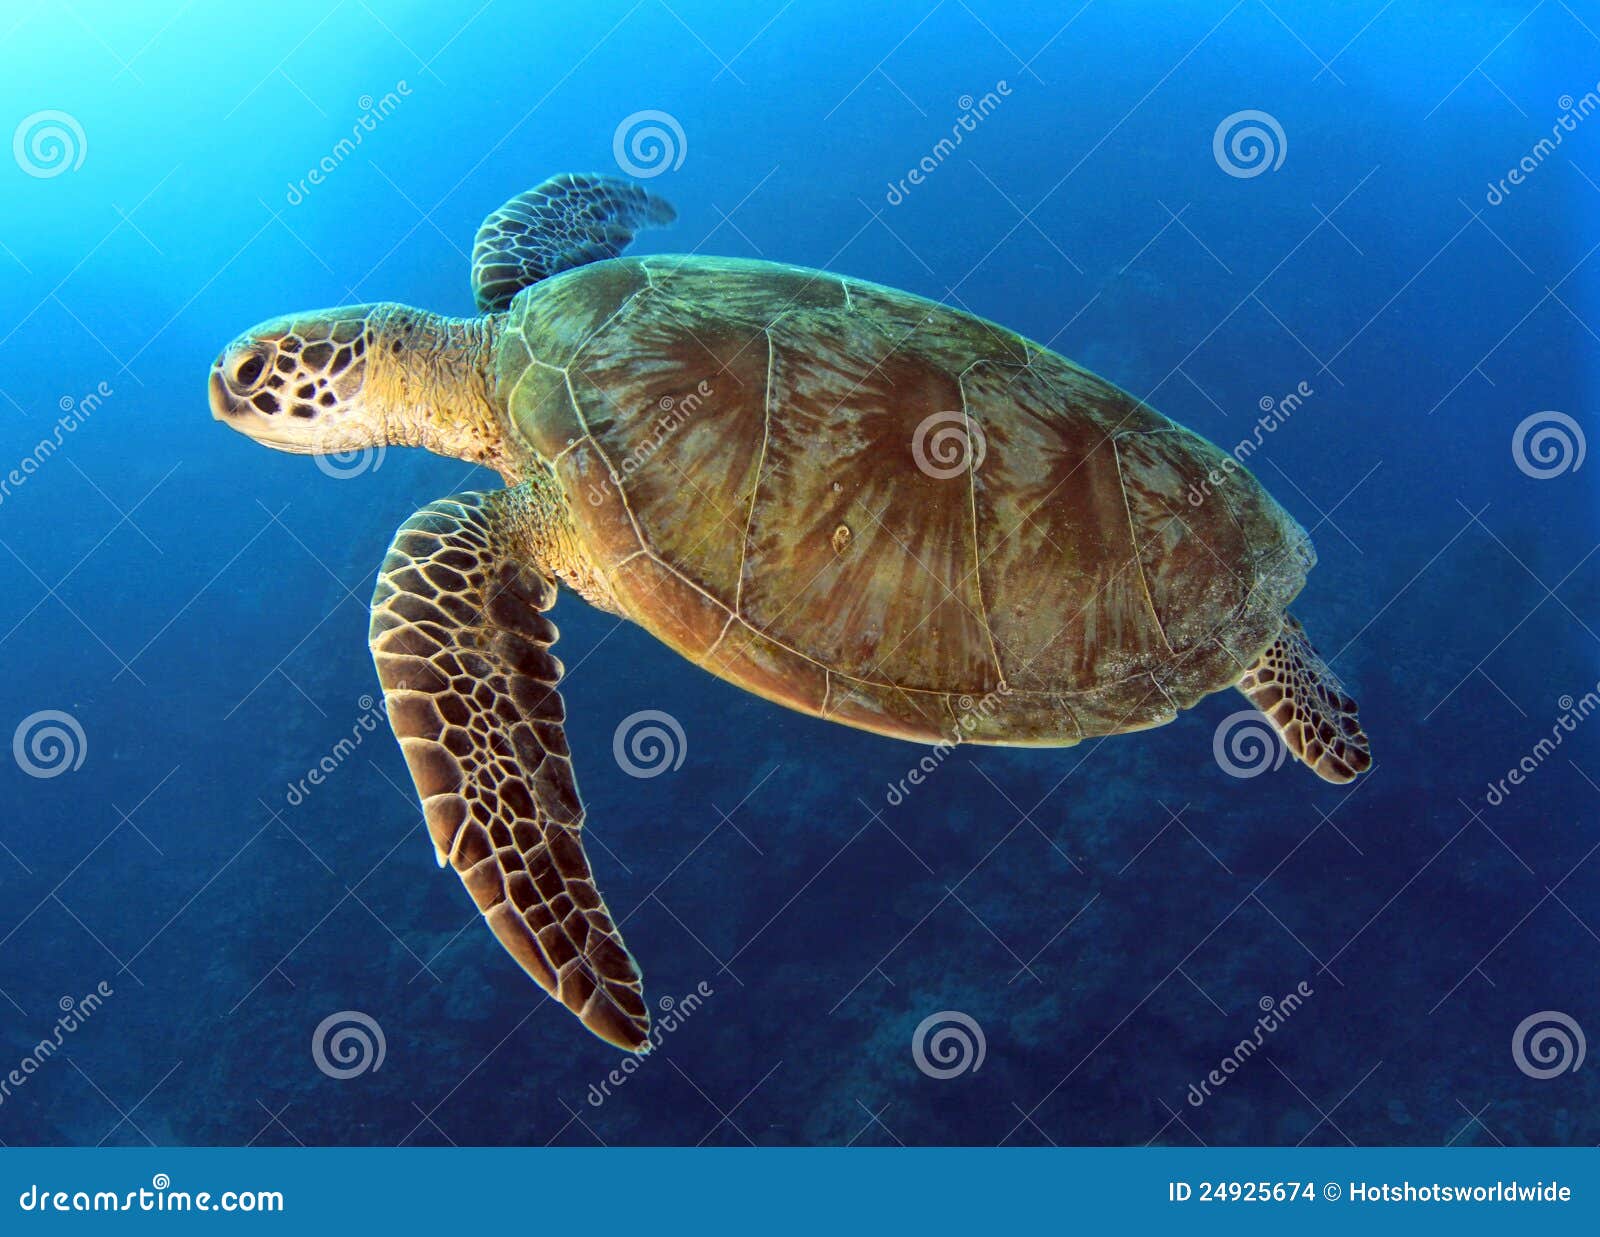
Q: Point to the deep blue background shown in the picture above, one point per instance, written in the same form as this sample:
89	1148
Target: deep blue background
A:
198	604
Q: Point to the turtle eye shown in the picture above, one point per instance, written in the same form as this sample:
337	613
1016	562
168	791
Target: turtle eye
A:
249	370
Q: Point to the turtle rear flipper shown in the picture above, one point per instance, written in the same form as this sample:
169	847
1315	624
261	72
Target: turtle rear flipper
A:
462	648
1308	706
570	220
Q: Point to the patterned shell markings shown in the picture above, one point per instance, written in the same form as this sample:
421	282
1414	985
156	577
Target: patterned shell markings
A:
1069	564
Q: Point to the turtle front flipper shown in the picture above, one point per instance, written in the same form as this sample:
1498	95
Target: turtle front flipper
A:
1308	706
570	220
462	648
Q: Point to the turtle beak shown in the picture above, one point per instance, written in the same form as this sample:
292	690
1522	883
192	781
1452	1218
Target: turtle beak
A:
221	405
238	394
232	405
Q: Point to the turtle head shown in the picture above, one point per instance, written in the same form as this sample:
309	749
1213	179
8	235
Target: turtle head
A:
338	380
299	383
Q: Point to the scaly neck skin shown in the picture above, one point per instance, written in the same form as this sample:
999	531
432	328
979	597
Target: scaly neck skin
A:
431	379
436	390
540	524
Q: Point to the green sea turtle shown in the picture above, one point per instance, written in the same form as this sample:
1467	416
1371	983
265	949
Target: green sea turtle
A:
864	505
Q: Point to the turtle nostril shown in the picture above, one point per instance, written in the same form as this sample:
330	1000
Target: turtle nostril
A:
249	370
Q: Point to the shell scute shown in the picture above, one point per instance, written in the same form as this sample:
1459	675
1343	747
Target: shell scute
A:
902	606
1055	553
673	395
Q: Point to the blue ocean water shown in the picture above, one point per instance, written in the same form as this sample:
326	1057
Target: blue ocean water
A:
1393	268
